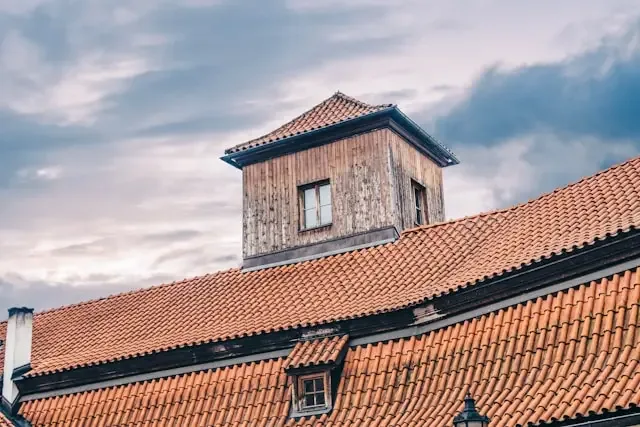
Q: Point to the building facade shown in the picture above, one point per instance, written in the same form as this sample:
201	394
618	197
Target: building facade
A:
357	304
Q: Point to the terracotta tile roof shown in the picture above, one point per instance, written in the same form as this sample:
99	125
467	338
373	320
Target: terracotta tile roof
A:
562	356
338	108
316	352
423	263
4	421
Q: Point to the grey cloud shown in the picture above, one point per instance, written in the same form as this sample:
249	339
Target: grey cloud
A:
529	130
171	236
196	258
24	140
41	296
223	55
207	63
595	94
391	97
96	247
109	245
176	254
443	88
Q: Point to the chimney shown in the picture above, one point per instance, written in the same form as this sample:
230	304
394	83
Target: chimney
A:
17	351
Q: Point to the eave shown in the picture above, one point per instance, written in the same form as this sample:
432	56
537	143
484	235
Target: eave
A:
389	118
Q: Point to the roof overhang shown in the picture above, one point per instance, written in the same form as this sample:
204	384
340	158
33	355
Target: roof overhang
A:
390	118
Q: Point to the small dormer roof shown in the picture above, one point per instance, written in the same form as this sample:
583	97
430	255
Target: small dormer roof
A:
326	352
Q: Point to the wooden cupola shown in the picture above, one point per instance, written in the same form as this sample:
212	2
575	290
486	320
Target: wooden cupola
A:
342	176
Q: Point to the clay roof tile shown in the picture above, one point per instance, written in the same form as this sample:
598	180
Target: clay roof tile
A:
338	108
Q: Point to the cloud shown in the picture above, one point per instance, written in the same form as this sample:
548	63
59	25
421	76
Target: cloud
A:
16	291
217	75
534	128
113	115
595	94
519	169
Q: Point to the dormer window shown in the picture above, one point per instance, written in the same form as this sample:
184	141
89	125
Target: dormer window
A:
310	366
315	202
313	390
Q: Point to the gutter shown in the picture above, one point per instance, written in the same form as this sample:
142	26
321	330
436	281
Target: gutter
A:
442	155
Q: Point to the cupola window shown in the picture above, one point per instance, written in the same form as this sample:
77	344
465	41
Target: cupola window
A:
419	200
316	205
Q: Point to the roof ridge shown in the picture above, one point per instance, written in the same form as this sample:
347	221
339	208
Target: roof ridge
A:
522	204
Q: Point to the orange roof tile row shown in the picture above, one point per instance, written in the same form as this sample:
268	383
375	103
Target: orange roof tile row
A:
562	356
316	352
424	263
338	108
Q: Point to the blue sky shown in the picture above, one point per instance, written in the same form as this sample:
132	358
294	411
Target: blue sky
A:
113	115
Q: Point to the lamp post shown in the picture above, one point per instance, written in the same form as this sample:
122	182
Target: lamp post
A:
469	417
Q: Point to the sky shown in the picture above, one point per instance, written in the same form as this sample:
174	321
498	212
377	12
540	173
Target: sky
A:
113	116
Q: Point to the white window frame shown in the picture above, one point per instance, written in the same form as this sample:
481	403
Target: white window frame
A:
317	207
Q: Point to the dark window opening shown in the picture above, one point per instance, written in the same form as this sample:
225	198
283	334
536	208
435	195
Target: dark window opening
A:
419	200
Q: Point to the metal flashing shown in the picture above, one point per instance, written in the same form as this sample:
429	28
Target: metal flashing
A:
322	249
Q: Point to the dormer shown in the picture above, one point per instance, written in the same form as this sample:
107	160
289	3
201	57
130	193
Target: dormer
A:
342	176
313	368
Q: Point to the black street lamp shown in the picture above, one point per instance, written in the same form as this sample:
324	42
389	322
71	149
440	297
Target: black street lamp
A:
469	417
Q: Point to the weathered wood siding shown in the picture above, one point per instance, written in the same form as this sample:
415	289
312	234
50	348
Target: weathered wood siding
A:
360	194
406	164
370	176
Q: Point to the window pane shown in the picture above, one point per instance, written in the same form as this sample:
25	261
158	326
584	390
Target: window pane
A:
325	214
319	384
310	198
325	195
418	196
308	400
310	218
319	398
308	386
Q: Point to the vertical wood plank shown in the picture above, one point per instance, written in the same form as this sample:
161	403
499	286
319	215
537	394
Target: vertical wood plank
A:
370	177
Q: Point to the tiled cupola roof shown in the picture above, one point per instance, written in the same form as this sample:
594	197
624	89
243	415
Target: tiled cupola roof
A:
318	352
338	108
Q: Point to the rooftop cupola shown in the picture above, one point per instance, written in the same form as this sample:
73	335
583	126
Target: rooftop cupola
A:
342	176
